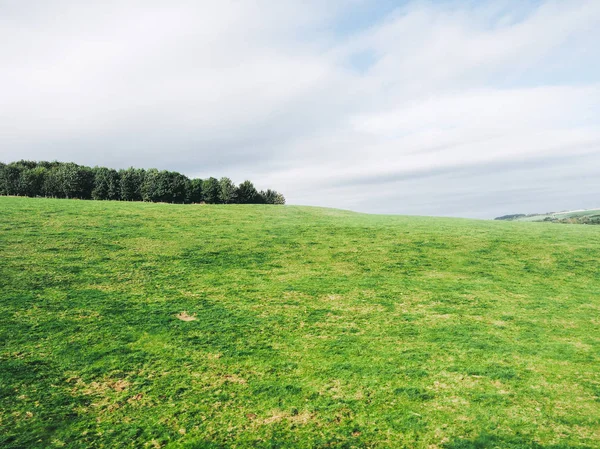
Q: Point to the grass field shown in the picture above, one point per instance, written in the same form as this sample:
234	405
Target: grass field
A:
153	325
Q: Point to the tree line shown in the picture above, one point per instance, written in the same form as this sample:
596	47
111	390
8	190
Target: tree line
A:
70	180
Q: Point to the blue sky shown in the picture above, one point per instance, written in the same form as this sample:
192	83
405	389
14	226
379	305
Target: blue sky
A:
461	108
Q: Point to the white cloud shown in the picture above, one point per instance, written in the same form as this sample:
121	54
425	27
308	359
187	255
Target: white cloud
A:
271	91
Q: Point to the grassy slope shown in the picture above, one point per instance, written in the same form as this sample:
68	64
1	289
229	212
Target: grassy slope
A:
562	215
313	327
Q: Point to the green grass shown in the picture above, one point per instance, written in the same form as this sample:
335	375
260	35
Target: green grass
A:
313	328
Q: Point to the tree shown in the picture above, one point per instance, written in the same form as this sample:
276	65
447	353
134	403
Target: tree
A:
101	182
131	181
177	187
194	192
48	165
164	186
12	179
76	181
26	164
70	180
114	184
52	186
150	188
247	194
210	189
279	199
32	181
106	184
227	191
2	183
272	197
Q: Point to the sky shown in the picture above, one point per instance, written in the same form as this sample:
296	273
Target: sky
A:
451	108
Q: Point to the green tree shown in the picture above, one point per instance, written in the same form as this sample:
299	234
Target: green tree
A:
114	184
151	188
70	180
279	199
227	191
177	187
2	183
247	194
76	181
131	181
164	186
101	182
106	184
210	189
272	197
26	164
12	179
32	181
52	184
194	193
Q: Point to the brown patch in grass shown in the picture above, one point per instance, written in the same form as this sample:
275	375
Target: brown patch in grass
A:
276	417
235	379
155	444
119	385
184	316
300	418
135	398
99	388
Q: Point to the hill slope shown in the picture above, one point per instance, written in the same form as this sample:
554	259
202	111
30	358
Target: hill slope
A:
587	216
153	325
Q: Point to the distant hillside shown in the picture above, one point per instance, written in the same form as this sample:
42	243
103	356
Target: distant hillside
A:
587	216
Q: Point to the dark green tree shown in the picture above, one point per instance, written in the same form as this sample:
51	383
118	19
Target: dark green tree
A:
76	181
114	185
12	179
107	184
227	191
131	181
70	180
177	187
101	182
27	164
246	193
210	190
151	187
194	193
2	182
272	197
32	181
52	184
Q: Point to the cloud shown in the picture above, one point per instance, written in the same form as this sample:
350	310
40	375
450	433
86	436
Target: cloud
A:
341	103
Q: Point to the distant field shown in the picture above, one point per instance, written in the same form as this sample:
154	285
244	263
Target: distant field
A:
562	215
132	325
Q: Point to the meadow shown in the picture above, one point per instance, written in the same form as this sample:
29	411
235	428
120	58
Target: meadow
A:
139	325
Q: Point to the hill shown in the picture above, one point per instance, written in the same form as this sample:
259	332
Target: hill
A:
157	325
587	216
